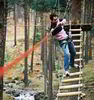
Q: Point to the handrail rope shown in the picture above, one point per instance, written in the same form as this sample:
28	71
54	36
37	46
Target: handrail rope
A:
79	89
22	56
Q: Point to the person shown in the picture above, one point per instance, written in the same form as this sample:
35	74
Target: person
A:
65	41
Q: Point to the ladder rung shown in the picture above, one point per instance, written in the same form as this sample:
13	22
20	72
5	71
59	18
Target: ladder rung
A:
71	86
75	29
78	46
71	80
69	94
78	53
78	59
76	34
76	73
77	40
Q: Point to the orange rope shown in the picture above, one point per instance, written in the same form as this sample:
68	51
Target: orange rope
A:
18	59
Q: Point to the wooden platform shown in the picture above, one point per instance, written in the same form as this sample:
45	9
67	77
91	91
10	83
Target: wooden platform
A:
84	27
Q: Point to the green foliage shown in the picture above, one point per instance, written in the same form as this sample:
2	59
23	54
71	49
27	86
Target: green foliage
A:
11	3
88	75
38	35
7	57
47	5
40	5
57	65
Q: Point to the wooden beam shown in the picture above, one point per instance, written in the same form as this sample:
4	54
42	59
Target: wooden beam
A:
69	94
76	29
76	35
76	73
71	80
78	53
77	40
84	27
78	59
78	46
71	86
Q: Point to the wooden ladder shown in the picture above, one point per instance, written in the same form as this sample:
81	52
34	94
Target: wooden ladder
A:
74	82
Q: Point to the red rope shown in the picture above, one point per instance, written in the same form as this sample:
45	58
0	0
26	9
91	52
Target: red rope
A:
18	59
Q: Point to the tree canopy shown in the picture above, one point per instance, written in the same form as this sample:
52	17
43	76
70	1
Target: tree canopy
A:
40	5
47	5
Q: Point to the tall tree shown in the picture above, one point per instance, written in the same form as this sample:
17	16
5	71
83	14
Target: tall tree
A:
15	25
32	56
50	89
45	57
3	16
76	11
26	41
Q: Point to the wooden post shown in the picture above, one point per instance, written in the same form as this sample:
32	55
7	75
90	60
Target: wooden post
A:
50	91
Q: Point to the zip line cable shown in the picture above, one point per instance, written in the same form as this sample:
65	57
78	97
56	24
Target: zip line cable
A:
22	56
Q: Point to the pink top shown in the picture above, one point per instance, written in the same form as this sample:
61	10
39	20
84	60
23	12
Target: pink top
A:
62	34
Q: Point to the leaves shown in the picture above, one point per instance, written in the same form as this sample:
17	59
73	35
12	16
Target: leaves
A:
47	5
40	5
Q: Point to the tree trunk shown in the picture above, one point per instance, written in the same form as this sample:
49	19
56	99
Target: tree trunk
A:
26	42
90	42
28	26
15	24
83	12
45	60
50	90
45	66
3	20
93	13
53	56
86	49
32	56
42	36
76	11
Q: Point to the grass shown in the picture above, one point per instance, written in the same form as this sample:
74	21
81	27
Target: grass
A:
7	97
88	73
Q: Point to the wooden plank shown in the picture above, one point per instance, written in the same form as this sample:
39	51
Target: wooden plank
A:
75	29
71	80
69	94
78	53
71	86
76	35
84	27
76	73
77	40
78	46
78	59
